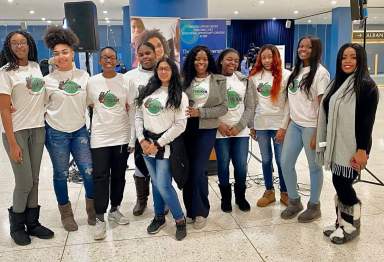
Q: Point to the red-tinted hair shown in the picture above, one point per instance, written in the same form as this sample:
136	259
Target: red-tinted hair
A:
276	69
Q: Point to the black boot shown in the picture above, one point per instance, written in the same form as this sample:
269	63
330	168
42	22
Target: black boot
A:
240	197
142	193
17	228
34	228
226	198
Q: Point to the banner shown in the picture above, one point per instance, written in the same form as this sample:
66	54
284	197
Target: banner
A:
211	33
163	33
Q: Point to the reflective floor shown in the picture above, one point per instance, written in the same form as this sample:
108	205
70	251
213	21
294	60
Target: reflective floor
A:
258	235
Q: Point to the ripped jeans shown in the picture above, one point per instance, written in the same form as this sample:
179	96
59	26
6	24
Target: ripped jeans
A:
60	145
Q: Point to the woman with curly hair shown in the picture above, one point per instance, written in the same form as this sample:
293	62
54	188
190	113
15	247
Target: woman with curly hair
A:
66	132
207	93
156	38
22	86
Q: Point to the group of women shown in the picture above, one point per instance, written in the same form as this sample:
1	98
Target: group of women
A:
172	121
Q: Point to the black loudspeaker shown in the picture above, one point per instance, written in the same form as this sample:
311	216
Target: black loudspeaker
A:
81	18
358	9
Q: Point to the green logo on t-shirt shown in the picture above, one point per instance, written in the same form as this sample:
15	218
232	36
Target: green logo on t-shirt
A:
108	99
294	87
69	87
264	89
198	92
153	106
234	99
35	85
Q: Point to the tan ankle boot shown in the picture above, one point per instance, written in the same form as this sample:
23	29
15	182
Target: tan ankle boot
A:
267	198
284	198
90	208
67	219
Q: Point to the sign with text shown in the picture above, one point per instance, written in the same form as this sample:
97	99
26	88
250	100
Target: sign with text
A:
372	36
211	33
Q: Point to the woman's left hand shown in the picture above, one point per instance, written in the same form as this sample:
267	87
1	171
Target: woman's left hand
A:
192	112
152	149
234	131
359	160
312	144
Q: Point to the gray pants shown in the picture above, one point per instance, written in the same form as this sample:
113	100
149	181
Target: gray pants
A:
31	141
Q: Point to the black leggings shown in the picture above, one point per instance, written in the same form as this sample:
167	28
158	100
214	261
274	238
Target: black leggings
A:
109	166
344	189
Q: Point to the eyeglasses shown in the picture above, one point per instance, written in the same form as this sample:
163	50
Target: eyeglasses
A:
19	44
165	69
106	58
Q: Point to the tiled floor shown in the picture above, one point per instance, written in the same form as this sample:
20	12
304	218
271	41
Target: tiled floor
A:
259	235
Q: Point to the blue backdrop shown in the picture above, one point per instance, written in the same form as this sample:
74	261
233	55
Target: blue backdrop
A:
243	32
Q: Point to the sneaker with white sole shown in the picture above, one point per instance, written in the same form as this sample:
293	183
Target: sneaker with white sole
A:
100	230
118	217
200	222
189	220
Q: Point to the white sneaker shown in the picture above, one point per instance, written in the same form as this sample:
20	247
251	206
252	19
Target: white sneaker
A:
118	217
100	230
189	220
200	222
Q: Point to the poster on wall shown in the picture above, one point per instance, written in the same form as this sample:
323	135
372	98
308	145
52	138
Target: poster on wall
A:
211	33
163	33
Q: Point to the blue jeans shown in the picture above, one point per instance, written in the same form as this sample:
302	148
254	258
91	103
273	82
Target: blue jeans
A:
162	190
60	145
264	138
296	138
235	149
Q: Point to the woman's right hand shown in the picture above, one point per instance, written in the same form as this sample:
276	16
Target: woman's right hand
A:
253	133
16	153
223	129
145	145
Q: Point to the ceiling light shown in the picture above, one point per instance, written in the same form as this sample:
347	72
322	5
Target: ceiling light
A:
333	2
309	21
43	19
108	21
31	12
49	22
10	1
273	18
261	2
105	12
101	1
296	12
236	12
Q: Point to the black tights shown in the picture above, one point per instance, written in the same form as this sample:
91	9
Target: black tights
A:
344	189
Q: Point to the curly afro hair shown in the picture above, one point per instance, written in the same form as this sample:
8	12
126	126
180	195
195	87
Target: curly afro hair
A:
57	35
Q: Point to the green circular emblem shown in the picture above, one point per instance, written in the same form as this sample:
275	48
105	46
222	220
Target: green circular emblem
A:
234	99
153	106
70	87
293	87
35	85
264	89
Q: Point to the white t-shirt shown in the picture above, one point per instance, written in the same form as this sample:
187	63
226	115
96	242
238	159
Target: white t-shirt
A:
200	91
66	99
154	117
137	78
25	85
236	91
270	115
304	111
111	122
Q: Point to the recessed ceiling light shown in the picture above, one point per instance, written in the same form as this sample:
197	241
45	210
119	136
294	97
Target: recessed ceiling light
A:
333	2
273	18
31	12
101	1
261	2
105	12
375	17
49	22
309	21
10	1
43	19
106	19
236	12
296	12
